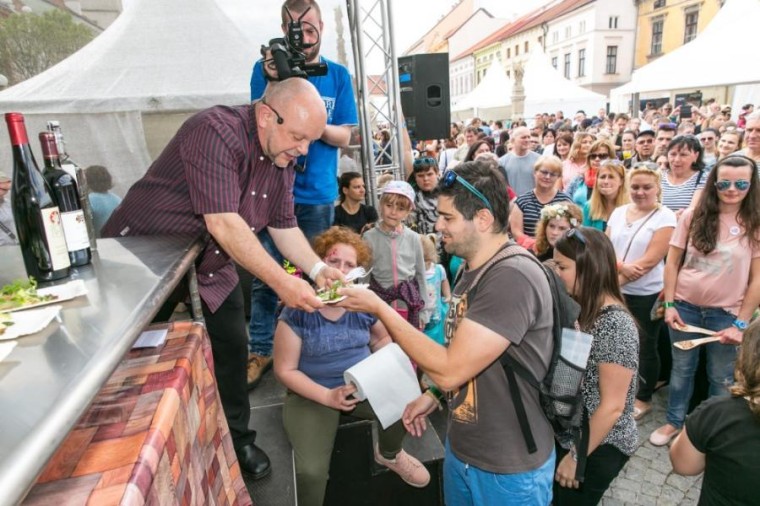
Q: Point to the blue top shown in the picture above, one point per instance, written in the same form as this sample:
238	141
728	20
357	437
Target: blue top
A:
328	347
589	222
318	183
102	205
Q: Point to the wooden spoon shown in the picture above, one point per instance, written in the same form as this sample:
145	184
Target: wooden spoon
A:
694	329
693	343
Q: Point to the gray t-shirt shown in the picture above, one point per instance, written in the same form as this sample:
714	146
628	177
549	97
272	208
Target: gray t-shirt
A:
519	171
513	300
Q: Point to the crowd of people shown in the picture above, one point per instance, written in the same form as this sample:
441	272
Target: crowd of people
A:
652	225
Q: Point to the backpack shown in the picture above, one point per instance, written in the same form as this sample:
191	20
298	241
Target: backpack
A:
560	390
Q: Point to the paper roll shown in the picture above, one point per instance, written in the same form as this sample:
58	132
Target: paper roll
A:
387	379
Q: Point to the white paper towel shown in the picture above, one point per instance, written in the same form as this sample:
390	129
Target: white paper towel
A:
387	379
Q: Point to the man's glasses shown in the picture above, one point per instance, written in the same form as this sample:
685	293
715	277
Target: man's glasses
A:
598	156
645	141
548	173
741	185
450	177
575	233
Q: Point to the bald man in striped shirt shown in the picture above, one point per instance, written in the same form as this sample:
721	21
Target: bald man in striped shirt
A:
229	172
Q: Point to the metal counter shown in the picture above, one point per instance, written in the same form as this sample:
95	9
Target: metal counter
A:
49	379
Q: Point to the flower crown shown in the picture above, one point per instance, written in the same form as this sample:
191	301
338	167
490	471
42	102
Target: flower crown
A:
553	211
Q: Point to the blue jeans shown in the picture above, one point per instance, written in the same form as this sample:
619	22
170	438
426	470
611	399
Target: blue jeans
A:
466	485
720	359
312	220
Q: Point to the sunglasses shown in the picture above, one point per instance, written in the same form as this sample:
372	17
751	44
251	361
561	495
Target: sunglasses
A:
741	185
598	156
646	165
425	161
575	233
450	177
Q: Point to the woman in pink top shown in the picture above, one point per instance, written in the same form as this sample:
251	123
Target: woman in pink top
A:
718	286
576	162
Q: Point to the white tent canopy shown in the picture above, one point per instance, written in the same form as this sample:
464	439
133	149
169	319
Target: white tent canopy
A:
165	57
724	54
546	90
493	92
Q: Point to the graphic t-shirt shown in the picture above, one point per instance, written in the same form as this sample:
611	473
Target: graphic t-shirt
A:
513	300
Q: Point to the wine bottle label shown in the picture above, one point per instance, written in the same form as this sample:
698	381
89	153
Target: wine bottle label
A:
71	170
75	230
59	254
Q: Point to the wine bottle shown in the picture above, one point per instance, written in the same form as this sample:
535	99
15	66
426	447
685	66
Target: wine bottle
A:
68	165
66	195
37	217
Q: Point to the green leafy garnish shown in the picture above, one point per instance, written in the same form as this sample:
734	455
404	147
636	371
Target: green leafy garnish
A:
21	293
331	293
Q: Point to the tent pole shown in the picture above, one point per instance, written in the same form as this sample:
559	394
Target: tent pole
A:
635	105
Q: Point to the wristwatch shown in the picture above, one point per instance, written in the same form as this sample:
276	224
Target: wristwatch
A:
740	324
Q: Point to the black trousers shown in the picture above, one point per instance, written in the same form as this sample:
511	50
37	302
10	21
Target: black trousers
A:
602	467
228	331
640	307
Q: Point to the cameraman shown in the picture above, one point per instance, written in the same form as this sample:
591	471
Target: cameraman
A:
316	185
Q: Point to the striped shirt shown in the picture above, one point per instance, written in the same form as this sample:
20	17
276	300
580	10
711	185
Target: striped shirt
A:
531	209
678	196
214	164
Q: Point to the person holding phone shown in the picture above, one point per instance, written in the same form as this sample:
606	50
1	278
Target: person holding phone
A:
7	224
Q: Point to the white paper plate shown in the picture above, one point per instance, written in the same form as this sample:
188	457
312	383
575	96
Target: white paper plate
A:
66	291
29	322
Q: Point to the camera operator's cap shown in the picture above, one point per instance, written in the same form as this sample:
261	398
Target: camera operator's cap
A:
400	188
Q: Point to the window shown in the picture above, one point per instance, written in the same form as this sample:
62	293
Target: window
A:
567	66
582	27
611	67
581	62
526	46
509	52
613	22
485	71
555	36
690	26
554	62
656	36
658	4
517	49
508	73
568	32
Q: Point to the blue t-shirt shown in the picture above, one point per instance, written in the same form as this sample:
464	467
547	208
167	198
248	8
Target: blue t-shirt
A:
102	205
318	183
328	347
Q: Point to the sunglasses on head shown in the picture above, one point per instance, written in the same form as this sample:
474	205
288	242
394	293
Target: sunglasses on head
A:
646	166
575	233
425	161
450	177
741	185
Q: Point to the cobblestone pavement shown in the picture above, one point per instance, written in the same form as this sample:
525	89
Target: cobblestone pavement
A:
648	478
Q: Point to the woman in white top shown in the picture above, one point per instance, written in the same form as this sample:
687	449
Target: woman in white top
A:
640	232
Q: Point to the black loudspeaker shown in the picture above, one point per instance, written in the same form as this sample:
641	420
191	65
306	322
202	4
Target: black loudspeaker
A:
425	99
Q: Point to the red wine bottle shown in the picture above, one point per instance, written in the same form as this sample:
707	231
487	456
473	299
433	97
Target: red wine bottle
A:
38	219
66	195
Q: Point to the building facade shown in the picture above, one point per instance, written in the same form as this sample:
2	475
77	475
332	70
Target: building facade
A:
665	25
593	44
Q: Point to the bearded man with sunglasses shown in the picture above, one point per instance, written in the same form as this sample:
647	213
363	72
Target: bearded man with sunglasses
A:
316	187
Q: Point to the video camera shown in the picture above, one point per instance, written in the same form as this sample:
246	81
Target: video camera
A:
287	55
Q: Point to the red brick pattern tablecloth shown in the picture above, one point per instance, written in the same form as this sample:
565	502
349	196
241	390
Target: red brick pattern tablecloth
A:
155	434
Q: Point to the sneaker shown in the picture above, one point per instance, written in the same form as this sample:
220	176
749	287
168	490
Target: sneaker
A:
257	366
407	467
664	435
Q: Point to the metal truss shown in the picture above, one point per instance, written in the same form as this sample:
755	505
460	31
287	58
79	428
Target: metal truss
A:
371	37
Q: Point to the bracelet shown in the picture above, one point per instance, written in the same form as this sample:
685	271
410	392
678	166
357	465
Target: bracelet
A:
667	305
432	396
314	272
436	393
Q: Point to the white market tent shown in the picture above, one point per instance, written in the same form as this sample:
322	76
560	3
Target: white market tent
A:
490	99
546	90
724	54
158	62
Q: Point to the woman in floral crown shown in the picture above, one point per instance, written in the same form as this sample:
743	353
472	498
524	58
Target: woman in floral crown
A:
554	221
